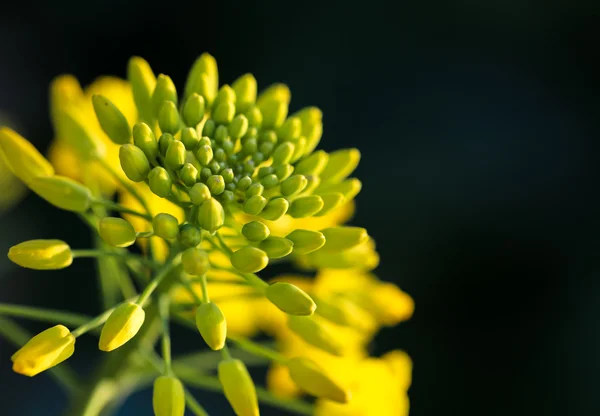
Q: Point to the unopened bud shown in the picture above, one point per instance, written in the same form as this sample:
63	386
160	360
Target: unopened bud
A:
143	82
275	209
204	154
212	325
175	158
306	241
199	193
224	112
245	90
195	261
193	110
203	78
315	333
290	130
165	91
144	138
349	188
168	397
112	121
312	126
312	379
189	138
313	164
122	325
211	215
168	117
277	247
238	127
238	387
116	231
189	235
164	142
165	226
134	162
41	254
254	205
293	185
283	153
160	182
249	259
340	165
330	202
255	231
62	192
306	206
21	157
342	238
216	184
188	174
290	299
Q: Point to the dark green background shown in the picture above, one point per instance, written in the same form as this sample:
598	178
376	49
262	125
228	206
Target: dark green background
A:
478	125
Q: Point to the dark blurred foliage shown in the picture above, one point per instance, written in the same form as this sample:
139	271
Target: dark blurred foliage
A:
478	124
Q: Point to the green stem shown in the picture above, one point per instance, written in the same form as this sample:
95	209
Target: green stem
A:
163	311
45	315
204	287
257	349
225	352
93	323
121	208
126	185
19	336
162	273
82	253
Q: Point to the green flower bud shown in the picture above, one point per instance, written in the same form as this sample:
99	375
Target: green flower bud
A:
266	148
209	128
312	379
293	185
264	171
299	149
165	91
116	232
226	93
168	117
212	325
216	184
143	137
189	235
227	197
164	142
290	130
270	181
245	90
204	154
250	146
275	209
343	237
21	157
165	226
340	165
249	167
122	325
330	202
228	146
41	254
238	127
344	312
254	117
313	164
224	112
290	299
244	183
205	173
193	110
284	171
313	183
254	205
273	104
112	121
188	174
211	215
160	182
204	141
199	193
175	157
62	192
134	162
306	206
312	331
168	397
312	126
189	138
255	231
238	387
283	153
306	241
143	83
227	175
268	136
221	133
349	188
249	259
220	155
195	261
255	189
203	78
276	247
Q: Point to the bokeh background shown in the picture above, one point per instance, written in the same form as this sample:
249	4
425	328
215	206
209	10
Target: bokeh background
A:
479	126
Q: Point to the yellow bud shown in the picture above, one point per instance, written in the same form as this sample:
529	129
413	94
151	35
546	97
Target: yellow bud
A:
340	165
212	325
312	127
245	91
21	157
290	299
313	379
389	304
143	82
62	192
41	254
238	387
249	259
168	397
116	231
112	121
306	241
203	78
75	130
195	261
343	238
44	351
211	215
315	333
121	326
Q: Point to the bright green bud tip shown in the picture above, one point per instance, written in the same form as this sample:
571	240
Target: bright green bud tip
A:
189	235
255	204
189	138
143	137
195	261
249	259
116	231
209	128
164	142
238	387
203	78
21	157
340	165
290	299
134	162
314	380
199	193
62	192
255	231
175	158
224	112
160	182
277	247
274	113
270	181
238	127
312	126
306	206
168	117
349	188
275	209
112	121
343	238
306	241
122	325
168	397
188	174
142	82
313	164
293	185
212	325
165	91
193	110
211	215
204	154
290	130
165	226
283	153
216	184
244	183
330	202
41	254
312	331
245	90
